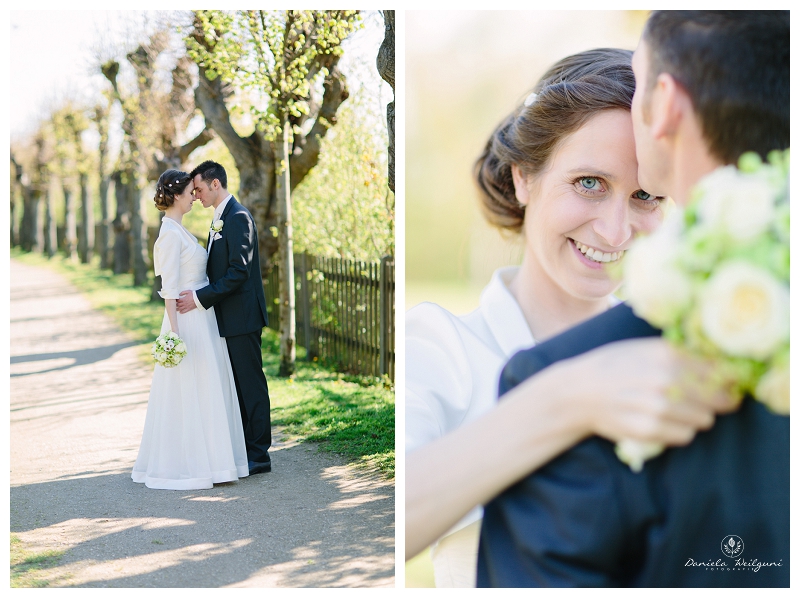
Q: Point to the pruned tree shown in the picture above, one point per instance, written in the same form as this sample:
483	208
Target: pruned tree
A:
15	171
50	230
100	116
33	186
385	64
282	55
68	125
78	124
154	122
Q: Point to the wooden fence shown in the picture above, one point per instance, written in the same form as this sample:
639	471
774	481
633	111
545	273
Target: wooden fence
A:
344	312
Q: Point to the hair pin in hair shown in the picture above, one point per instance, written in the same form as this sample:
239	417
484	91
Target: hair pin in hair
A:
529	100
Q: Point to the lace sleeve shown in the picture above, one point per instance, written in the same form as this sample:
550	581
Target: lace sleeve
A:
167	262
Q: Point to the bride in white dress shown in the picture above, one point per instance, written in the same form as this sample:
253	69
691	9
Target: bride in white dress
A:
193	435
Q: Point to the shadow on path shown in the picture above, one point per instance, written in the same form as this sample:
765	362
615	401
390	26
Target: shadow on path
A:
301	526
79	358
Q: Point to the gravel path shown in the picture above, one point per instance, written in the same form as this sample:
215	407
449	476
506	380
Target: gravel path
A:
78	400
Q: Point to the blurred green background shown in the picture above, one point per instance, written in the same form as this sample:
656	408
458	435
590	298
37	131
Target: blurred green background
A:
465	71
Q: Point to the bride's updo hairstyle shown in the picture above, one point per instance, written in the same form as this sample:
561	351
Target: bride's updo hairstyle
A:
171	183
571	92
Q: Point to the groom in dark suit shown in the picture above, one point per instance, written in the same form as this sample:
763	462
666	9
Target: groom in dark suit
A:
237	293
710	85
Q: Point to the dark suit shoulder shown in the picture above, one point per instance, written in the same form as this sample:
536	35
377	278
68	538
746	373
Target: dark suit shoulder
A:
616	324
237	208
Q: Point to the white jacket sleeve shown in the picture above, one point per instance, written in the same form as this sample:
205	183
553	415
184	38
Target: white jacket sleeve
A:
167	262
439	376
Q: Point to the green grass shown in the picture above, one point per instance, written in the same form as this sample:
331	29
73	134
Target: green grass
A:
27	567
352	416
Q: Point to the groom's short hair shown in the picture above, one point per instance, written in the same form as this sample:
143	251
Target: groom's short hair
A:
734	64
210	170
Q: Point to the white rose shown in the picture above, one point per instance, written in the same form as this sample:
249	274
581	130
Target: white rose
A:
655	287
773	389
181	348
161	357
161	342
217	225
743	204
745	310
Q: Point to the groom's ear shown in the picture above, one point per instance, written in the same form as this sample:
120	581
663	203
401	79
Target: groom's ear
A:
668	104
520	185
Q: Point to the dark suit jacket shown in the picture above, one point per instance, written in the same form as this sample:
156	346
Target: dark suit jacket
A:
585	520
234	271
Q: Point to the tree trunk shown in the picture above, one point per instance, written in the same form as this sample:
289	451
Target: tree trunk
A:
15	177
138	233
14	230
70	224
32	218
122	225
385	63
87	218
285	253
50	234
25	237
105	249
104	242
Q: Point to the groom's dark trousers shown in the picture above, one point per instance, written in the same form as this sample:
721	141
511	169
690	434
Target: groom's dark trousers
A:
237	293
586	520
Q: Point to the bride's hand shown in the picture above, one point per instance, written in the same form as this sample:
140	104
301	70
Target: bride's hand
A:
645	389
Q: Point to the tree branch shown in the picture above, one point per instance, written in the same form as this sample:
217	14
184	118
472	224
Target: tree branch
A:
209	98
204	137
335	86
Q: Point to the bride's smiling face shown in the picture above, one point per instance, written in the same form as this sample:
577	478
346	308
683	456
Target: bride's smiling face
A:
585	209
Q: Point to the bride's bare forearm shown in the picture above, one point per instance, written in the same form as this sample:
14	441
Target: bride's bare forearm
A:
447	478
172	314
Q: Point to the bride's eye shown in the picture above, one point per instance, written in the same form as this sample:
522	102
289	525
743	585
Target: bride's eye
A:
646	200
590	186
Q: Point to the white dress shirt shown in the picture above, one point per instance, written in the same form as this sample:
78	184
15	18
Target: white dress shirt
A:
217	215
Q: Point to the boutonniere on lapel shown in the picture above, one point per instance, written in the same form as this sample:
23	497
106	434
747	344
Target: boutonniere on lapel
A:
216	228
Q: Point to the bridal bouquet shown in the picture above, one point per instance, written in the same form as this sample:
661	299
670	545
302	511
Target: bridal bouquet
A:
168	350
715	279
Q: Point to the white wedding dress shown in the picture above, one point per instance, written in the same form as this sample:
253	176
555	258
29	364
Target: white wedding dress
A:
193	435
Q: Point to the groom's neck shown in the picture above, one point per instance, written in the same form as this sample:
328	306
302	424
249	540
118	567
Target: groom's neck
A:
223	193
689	174
692	161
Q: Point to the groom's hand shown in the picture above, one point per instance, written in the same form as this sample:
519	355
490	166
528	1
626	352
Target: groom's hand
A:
186	302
